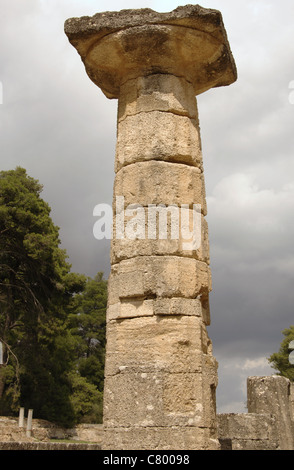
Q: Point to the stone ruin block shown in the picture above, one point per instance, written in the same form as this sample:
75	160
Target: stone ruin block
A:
158	276
182	232
147	136
159	182
174	342
272	395
157	92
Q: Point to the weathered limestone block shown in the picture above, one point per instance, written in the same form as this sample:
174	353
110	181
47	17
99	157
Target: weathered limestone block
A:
272	395
157	182
10	432
160	370
174	342
161	276
178	306
41	446
190	41
161	306
133	46
158	92
183	306
130	309
158	398
158	136
182	232
252	444
245	426
247	431
159	438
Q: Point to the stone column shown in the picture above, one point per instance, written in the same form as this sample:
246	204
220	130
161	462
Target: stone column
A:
21	418
160	374
29	423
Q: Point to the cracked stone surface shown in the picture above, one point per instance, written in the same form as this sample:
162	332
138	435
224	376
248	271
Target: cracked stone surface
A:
132	43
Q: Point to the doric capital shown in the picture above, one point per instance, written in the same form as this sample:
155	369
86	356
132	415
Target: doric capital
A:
189	42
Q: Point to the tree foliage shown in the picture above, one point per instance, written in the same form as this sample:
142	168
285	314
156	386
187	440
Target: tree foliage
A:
39	298
87	326
280	360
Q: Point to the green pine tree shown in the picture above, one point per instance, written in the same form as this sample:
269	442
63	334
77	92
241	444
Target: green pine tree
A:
36	287
87	326
280	360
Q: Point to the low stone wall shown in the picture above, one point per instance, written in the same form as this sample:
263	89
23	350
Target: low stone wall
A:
247	431
43	431
21	445
9	431
268	425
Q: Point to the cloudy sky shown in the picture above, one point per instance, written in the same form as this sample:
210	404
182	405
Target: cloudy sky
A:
59	126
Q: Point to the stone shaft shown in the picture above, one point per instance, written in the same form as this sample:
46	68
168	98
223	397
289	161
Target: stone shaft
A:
160	374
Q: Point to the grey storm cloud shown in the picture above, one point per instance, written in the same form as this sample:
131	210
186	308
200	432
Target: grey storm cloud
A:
59	126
